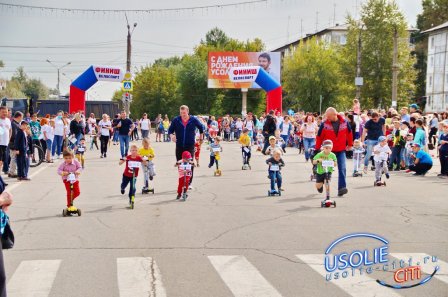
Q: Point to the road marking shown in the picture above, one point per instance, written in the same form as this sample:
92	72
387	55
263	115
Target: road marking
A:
139	277
359	285
242	278
33	278
427	268
18	183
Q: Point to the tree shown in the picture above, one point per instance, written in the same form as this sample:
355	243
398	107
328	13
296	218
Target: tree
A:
435	12
380	19
313	70
2	64
20	76
155	91
34	89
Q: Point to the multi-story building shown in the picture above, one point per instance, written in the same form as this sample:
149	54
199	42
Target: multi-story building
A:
437	69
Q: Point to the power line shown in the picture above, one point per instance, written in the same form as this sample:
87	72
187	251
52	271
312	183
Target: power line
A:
77	10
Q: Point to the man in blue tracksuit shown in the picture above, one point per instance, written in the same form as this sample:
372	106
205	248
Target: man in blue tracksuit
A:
183	131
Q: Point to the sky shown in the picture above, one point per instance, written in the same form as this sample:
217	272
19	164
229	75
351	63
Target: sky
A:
100	38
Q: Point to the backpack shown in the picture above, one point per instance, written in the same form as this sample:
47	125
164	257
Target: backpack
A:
161	125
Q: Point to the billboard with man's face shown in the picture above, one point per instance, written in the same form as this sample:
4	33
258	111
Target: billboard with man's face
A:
219	64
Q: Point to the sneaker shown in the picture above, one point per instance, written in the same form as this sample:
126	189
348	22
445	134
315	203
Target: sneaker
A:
122	191
416	174
178	197
365	170
105	155
209	166
190	187
321	189
408	170
101	156
342	192
441	175
387	175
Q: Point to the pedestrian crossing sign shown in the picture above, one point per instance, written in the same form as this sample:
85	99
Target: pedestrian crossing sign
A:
127	85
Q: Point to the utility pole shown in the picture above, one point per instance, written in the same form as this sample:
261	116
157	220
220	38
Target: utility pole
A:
59	74
126	101
317	20
395	69
358	80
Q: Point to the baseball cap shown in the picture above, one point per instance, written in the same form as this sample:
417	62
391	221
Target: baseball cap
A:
271	137
186	155
381	138
416	145
413	105
327	143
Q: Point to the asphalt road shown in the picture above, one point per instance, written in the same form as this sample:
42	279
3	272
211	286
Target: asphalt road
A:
227	239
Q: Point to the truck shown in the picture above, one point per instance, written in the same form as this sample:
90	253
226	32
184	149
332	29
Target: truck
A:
43	107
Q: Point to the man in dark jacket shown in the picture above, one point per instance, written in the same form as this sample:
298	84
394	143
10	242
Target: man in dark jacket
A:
338	130
183	131
269	128
15	126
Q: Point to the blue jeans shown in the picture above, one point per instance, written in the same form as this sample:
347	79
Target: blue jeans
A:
395	157
115	136
275	176
341	169
56	146
124	145
369	149
308	143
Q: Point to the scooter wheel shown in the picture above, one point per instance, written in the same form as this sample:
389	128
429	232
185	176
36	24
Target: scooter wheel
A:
152	191
334	203
321	204
374	184
132	205
279	192
64	212
79	212
384	183
269	193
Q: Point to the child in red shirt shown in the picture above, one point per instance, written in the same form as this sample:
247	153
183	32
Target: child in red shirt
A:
185	169
133	163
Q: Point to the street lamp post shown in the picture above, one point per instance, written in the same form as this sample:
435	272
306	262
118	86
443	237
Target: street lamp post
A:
59	76
126	103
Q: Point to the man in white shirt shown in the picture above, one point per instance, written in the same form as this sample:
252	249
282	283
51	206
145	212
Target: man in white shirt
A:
5	132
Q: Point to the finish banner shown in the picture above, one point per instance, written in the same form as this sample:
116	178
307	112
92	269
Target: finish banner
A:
220	64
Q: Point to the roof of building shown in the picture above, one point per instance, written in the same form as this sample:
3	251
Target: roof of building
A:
437	28
338	27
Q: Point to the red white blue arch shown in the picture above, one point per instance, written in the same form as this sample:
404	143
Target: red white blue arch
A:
261	77
87	79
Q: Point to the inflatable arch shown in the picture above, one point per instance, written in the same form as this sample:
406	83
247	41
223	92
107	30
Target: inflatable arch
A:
261	77
85	81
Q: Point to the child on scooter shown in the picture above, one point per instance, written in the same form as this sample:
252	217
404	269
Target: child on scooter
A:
70	166
197	150
147	154
130	172
324	173
272	145
185	173
245	148
358	151
275	164
215	150
381	153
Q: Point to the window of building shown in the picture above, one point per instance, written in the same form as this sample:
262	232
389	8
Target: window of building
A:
432	42
446	100
431	61
430	81
343	40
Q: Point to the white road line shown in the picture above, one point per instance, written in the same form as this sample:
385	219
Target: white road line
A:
17	184
359	285
33	278
242	278
139	277
427	268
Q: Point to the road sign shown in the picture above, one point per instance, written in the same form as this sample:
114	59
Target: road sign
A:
127	76
359	81
127	85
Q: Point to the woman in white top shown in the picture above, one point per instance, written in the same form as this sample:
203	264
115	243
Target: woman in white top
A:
60	125
48	134
145	125
104	127
309	130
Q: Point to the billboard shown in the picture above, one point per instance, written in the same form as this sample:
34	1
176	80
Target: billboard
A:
220	63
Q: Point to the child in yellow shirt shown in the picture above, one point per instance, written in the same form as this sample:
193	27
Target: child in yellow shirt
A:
245	148
147	154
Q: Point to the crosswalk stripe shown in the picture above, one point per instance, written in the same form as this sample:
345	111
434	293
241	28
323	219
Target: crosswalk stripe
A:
33	278
428	268
361	285
242	278
139	277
